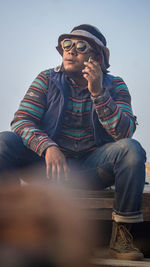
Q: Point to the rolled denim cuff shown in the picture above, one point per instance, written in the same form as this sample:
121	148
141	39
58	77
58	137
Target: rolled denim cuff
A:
127	219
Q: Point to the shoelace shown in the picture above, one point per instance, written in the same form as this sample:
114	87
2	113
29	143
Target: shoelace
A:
125	237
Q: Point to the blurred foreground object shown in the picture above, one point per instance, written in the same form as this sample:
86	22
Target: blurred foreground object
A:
40	226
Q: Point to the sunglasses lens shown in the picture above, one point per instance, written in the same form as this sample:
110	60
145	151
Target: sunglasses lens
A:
67	44
81	46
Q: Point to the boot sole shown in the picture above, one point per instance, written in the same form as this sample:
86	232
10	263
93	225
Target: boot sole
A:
126	256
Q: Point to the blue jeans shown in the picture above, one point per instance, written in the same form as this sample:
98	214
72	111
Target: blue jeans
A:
120	163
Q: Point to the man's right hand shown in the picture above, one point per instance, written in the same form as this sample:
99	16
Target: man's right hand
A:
56	166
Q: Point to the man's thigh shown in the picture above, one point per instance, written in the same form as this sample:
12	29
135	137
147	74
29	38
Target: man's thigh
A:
113	158
94	170
102	161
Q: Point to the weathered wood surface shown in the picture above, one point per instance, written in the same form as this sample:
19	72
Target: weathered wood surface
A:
97	205
104	259
119	263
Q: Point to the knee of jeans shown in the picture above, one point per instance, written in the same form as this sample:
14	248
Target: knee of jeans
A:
6	138
134	152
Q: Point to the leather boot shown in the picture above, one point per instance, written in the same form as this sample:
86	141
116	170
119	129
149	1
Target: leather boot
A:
121	243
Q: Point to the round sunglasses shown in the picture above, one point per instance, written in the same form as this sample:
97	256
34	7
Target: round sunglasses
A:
81	46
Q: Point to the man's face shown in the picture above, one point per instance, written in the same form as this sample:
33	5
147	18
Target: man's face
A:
73	61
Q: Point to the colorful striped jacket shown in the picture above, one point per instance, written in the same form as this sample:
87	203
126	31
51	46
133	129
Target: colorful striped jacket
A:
39	118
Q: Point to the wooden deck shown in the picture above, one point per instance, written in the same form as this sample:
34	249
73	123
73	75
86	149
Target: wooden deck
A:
98	205
106	260
118	263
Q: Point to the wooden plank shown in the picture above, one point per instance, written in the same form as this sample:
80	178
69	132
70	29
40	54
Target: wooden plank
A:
93	193
119	263
102	214
98	205
103	258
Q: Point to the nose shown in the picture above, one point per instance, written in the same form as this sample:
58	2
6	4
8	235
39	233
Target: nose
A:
73	51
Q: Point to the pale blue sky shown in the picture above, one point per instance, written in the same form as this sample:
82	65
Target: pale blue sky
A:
29	30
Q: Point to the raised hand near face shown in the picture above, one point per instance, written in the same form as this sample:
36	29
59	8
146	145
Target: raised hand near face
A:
94	75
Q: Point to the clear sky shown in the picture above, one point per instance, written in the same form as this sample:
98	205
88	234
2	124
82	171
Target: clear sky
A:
28	35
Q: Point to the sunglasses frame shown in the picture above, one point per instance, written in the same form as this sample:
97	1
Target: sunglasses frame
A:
74	42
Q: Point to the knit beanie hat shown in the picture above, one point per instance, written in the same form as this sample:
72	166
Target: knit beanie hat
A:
89	33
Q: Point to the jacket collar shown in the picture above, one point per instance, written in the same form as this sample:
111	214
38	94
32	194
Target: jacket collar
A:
58	77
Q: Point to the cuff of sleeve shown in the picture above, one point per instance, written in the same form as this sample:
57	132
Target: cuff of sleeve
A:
97	100
41	150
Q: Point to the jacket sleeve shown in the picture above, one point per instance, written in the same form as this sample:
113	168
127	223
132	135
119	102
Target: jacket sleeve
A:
114	110
26	121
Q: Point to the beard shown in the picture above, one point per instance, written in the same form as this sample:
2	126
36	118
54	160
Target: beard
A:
74	73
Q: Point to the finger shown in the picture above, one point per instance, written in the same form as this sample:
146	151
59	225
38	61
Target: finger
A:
86	76
86	70
48	171
66	172
60	173
94	62
95	68
91	70
54	173
89	74
92	65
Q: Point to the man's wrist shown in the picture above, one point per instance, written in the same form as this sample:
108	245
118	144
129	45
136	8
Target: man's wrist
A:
44	152
97	94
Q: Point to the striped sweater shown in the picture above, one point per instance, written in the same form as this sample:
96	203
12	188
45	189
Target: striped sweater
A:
114	113
76	135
